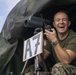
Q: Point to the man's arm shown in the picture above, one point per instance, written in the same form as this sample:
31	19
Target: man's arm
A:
65	56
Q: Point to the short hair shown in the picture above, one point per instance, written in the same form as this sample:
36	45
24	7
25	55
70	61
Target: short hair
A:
61	11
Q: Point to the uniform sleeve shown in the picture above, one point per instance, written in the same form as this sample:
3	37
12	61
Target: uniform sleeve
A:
47	45
72	45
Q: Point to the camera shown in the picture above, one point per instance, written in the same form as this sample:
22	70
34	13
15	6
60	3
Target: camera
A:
48	27
36	22
39	23
37	30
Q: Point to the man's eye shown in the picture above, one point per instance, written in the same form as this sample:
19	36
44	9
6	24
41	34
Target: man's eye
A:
57	20
64	19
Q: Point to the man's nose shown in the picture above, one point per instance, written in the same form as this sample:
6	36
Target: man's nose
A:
61	21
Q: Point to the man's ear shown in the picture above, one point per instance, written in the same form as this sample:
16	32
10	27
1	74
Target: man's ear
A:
69	23
53	24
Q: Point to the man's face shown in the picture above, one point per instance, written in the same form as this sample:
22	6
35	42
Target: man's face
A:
61	22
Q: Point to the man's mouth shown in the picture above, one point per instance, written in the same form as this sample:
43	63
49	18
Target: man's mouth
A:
61	26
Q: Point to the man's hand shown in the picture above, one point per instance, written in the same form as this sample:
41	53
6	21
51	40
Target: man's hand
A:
51	35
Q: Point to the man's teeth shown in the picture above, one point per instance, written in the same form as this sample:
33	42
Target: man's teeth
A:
61	26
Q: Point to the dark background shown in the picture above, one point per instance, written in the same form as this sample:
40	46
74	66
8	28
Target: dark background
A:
49	12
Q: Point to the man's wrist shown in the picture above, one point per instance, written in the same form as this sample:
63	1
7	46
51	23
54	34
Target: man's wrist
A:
54	43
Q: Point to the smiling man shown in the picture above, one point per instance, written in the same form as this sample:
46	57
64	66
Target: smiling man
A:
62	45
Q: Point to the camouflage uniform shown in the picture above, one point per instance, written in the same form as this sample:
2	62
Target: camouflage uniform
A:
63	69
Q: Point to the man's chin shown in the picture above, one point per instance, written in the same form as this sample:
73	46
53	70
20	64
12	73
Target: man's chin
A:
61	32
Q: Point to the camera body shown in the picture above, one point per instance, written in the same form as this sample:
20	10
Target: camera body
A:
48	27
37	30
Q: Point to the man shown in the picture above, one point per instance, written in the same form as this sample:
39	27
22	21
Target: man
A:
62	45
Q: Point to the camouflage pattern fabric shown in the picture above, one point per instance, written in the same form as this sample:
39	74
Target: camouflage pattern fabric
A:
63	69
57	69
41	73
30	71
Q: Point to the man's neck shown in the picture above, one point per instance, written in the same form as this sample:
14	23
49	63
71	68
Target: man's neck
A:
63	36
